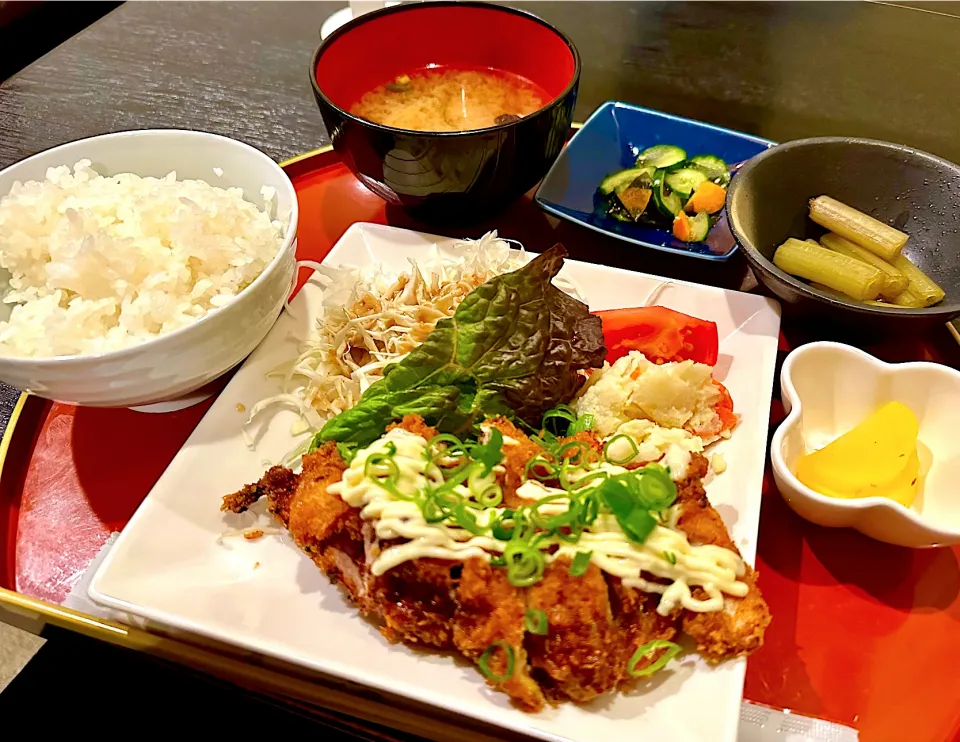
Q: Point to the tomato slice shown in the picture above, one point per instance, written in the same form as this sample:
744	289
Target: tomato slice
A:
662	335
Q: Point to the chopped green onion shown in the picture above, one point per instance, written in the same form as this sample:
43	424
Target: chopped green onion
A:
547	440
536	621
637	525
582	423
656	489
580	563
458	475
634	450
525	563
620	496
563	414
347	451
580	459
437	506
591	508
464	518
491	497
540	462
455	448
551	522
580	482
670	557
379	467
497	529
498	561
484	661
672	650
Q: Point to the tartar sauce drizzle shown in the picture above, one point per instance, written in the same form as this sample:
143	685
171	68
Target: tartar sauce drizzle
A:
666	554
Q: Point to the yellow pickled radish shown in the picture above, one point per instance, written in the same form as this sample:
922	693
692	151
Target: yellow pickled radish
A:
878	458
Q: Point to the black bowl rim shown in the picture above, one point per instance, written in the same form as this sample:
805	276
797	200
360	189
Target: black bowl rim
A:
349	26
757	257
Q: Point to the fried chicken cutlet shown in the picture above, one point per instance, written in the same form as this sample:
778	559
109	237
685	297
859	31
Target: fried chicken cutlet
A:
737	629
596	623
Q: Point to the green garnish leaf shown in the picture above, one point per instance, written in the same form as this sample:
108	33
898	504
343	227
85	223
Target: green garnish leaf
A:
632	495
580	563
490	453
487	656
315	442
672	650
536	622
513	346
670	557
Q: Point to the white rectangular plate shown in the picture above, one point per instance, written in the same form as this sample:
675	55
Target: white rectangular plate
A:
267	597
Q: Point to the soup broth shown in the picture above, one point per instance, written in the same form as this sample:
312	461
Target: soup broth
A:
447	99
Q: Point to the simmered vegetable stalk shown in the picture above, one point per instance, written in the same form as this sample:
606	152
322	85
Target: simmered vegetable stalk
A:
863	250
909	300
894	282
920	284
839	272
879	238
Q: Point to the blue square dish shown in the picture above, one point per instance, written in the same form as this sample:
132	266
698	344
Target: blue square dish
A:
610	140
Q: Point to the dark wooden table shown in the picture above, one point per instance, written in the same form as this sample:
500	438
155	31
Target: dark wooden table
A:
780	70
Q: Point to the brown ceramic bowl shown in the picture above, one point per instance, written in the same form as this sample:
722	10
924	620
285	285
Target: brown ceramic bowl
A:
914	191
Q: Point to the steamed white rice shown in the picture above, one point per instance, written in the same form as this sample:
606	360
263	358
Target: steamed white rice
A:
102	263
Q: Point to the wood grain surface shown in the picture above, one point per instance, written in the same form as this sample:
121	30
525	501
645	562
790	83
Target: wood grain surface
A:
780	70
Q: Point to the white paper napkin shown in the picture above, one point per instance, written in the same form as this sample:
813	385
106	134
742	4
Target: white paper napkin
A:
757	723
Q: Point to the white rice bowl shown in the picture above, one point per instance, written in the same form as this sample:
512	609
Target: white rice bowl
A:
99	263
136	327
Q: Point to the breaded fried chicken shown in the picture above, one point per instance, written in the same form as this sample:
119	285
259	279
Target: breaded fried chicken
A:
416	602
594	623
518	449
491	610
414	424
738	629
278	485
639	623
578	654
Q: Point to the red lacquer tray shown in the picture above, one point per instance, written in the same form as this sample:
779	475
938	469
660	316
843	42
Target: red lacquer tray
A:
863	633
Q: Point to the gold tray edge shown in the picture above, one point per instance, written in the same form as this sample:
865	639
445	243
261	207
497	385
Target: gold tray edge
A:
306	155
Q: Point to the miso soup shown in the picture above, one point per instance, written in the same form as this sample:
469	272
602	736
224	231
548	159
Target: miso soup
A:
450	99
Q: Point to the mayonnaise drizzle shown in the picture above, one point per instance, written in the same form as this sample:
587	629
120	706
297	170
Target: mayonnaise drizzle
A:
666	554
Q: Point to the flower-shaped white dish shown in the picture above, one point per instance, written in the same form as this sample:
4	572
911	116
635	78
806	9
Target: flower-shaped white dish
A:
828	389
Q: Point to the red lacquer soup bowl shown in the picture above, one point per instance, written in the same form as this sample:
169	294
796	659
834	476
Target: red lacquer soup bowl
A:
447	175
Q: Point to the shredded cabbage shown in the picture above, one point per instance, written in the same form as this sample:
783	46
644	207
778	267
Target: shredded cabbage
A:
372	317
